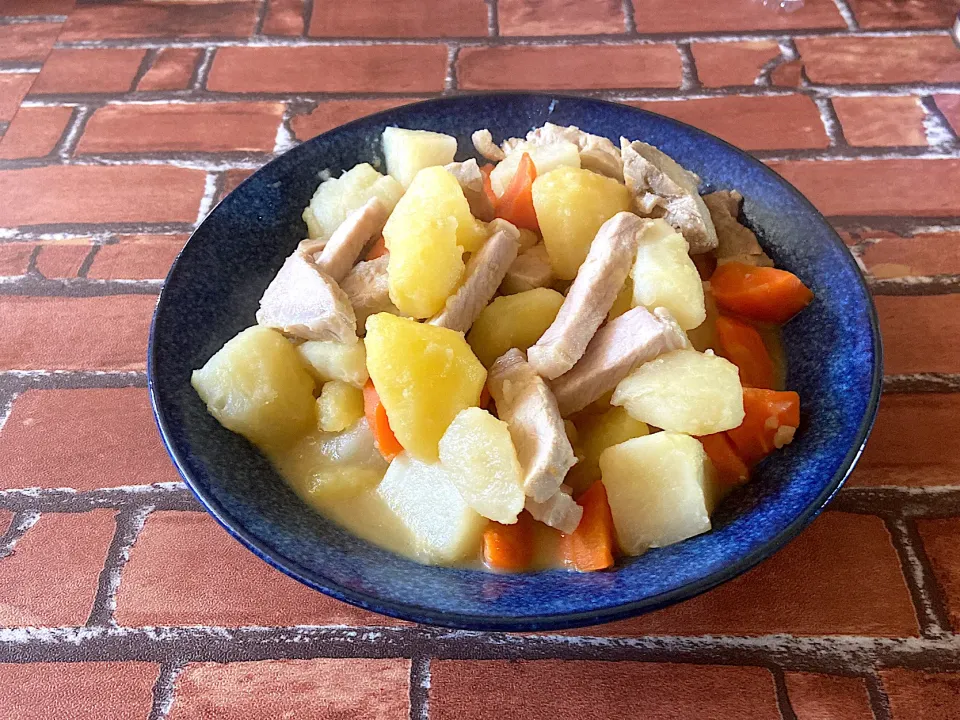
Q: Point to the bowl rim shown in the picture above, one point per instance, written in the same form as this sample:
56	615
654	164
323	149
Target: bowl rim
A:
559	621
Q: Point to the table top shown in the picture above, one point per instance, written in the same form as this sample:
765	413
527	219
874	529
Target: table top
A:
123	123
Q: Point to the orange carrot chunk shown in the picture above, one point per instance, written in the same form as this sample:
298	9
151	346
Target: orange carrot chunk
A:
770	420
509	547
485	171
376	416
378	249
591	546
759	293
516	203
731	469
741	344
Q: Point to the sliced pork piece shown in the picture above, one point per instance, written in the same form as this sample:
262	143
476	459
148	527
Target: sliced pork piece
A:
304	302
484	273
528	407
483	142
355	233
312	247
736	242
471	182
558	511
590	298
530	270
657	181
632	339
367	288
596	153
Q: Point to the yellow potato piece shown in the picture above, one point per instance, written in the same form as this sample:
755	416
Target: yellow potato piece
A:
338	197
595	434
665	276
328	360
339	406
623	302
513	321
409	151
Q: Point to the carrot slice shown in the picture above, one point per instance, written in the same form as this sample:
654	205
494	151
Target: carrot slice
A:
759	293
731	469
770	419
516	203
378	249
509	547
591	545
376	415
741	344
485	171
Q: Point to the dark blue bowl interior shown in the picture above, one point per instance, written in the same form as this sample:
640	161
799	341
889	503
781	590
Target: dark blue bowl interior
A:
212	292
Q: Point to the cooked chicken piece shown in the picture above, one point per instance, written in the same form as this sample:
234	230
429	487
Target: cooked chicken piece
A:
304	302
483	142
596	153
484	273
558	511
590	297
360	228
658	181
367	288
528	407
736	242
632	339
530	270
311	247
471	182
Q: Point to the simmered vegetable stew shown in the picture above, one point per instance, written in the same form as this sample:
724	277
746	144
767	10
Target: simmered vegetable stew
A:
558	357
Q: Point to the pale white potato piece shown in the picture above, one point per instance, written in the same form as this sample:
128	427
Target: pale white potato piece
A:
338	197
409	151
684	391
328	360
665	276
339	406
545	158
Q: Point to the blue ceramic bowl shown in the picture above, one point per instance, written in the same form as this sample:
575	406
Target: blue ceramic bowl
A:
833	350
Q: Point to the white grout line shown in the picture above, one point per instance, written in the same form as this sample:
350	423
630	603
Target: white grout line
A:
848	16
916	572
113	581
209	195
938	132
830	123
27	522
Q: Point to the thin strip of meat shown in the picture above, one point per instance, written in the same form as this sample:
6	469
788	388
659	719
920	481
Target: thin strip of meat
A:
596	153
368	289
735	241
484	273
471	182
359	229
558	511
530	270
528	407
483	142
590	297
625	342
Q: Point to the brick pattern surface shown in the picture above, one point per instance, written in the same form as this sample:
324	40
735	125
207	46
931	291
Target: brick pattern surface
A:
123	122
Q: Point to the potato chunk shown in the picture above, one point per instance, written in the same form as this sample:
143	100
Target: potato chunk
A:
478	453
545	158
571	206
665	276
329	360
684	391
339	406
660	488
257	386
338	197
423	496
424	375
595	434
513	321
409	151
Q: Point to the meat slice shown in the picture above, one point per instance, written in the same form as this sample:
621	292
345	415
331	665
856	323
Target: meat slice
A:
735	241
304	302
658	182
596	153
530	270
354	234
558	511
483	142
311	247
590	298
367	289
484	273
471	182
528	407
629	340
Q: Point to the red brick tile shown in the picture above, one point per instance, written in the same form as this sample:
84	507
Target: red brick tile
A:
51	577
89	71
949	105
879	60
97	194
178	20
569	67
896	14
200	127
327	688
284	17
62	259
692	16
185	570
941	540
231	180
881	121
15	258
918	695
732	63
95	333
820	584
136	257
172	70
788	74
560	17
877	187
752	123
13	88
27	43
385	68
918	333
924	254
828	697
464	689
34	132
405	18
102	690
16	8
82	439
332	113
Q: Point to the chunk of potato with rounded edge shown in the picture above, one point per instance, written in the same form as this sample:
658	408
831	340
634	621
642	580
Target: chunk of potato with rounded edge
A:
596	434
623	301
545	158
704	336
424	376
664	275
256	385
684	391
513	321
338	197
660	488
339	406
479	454
407	152
328	360
571	206
422	495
